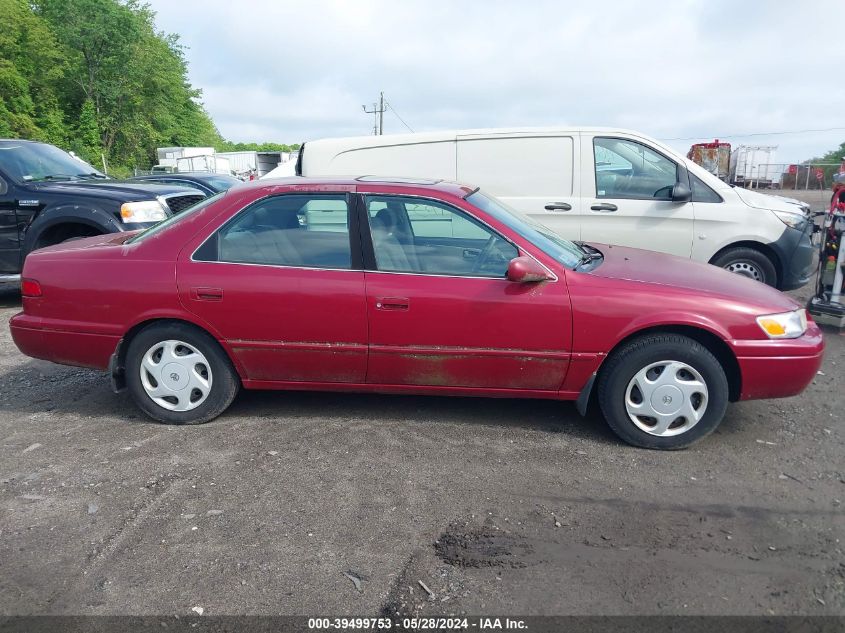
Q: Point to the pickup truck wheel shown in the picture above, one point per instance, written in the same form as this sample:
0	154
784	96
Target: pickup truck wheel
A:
663	391
178	374
748	262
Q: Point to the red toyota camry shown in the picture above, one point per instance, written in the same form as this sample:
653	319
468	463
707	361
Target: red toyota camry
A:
408	287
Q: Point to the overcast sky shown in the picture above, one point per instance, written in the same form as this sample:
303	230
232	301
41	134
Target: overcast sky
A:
275	70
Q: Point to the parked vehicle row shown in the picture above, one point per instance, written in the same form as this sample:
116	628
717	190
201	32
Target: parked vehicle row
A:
416	286
603	185
48	197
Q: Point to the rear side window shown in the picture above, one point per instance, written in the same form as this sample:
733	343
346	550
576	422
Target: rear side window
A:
304	231
701	192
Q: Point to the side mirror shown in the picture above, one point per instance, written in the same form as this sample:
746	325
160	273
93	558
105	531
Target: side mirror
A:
681	193
523	270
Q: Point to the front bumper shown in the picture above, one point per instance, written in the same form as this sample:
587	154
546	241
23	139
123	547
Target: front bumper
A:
10	282
797	252
779	369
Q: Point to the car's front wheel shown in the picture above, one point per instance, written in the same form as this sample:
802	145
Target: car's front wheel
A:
663	391
748	262
178	374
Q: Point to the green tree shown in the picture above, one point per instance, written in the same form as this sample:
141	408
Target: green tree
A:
86	141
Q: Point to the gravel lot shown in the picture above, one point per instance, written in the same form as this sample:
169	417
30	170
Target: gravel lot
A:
288	501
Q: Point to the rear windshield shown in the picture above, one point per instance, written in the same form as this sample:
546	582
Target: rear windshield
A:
173	219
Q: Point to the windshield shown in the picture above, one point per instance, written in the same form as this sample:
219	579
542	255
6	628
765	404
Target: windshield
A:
173	219
27	162
563	251
220	182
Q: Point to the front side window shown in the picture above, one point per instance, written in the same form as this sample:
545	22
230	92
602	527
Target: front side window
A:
308	231
414	235
626	169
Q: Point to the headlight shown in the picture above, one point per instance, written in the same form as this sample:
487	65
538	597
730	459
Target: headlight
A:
786	325
144	211
795	220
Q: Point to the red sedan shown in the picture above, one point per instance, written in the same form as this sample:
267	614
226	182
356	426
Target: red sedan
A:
408	287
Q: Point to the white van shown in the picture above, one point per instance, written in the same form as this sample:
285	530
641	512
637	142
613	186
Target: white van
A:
597	185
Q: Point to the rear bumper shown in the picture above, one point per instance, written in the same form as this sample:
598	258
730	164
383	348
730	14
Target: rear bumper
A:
80	349
779	369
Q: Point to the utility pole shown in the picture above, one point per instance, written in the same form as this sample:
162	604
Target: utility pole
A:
378	115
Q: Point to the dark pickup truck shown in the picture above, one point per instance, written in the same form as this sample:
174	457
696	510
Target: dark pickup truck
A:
48	196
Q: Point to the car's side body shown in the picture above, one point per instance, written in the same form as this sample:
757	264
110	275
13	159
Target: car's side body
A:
360	328
584	184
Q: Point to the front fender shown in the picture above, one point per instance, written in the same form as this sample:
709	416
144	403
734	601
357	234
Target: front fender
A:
90	215
676	318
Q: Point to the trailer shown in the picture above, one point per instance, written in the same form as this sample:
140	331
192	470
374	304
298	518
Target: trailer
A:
715	157
753	166
259	163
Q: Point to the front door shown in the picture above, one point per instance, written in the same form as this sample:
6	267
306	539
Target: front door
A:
627	189
9	241
278	283
441	311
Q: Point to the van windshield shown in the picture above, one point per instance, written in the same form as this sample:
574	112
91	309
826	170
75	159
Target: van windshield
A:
563	251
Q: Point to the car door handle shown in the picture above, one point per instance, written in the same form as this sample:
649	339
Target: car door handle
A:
606	207
207	294
392	303
558	206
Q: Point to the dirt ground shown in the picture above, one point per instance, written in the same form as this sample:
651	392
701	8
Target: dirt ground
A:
326	504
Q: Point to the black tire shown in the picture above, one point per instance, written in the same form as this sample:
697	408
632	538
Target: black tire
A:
224	384
620	368
748	262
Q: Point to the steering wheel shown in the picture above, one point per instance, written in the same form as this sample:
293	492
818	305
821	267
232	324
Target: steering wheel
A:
485	254
667	189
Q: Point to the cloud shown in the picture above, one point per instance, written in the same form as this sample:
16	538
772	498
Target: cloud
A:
288	71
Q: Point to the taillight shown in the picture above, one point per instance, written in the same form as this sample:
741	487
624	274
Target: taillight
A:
30	288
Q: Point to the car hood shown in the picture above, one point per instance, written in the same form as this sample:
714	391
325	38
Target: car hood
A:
759	200
113	189
642	266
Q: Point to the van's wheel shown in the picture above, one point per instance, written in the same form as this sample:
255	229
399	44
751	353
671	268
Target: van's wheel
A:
178	374
748	262
663	391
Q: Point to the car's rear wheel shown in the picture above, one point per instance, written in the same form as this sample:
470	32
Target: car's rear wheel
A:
178	374
663	391
748	262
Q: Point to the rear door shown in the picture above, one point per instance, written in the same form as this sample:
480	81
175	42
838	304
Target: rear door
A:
532	173
627	187
441	311
282	283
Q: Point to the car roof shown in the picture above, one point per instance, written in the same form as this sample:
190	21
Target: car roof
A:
359	183
182	174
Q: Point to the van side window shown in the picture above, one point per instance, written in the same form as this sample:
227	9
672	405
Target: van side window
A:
627	169
414	235
305	231
701	192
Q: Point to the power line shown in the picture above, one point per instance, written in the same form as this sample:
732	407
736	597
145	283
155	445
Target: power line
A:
392	109
693	138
